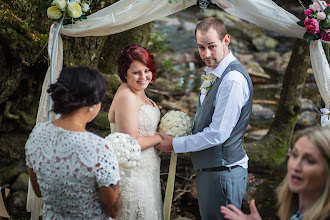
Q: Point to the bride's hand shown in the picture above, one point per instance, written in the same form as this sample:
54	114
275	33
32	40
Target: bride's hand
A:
233	213
166	145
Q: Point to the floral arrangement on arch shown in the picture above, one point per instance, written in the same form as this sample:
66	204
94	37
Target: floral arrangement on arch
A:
316	22
76	9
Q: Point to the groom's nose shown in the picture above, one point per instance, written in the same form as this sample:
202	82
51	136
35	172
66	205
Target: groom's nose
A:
207	53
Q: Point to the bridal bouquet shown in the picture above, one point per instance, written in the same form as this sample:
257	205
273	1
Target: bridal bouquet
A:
127	148
176	123
74	8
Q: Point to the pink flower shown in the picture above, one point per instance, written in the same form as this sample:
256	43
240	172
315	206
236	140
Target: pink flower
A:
321	15
317	7
309	11
325	36
312	26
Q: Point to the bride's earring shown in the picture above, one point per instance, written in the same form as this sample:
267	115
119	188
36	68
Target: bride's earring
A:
92	108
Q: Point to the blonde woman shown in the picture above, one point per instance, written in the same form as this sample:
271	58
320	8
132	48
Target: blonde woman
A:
305	191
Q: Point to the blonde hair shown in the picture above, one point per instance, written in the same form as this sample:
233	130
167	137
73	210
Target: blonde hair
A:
288	201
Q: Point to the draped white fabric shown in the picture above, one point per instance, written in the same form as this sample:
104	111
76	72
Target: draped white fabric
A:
127	14
119	17
264	13
267	14
321	70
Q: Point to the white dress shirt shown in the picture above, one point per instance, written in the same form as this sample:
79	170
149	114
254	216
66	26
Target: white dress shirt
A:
233	93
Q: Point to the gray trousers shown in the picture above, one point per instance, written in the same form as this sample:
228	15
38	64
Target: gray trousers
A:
220	188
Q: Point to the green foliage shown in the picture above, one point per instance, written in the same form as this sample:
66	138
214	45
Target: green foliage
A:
168	64
157	42
309	37
301	23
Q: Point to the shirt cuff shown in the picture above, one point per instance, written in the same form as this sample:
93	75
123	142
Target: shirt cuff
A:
179	145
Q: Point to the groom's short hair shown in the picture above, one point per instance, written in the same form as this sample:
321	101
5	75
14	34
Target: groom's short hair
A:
214	23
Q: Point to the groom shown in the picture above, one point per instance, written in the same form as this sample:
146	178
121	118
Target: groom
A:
221	119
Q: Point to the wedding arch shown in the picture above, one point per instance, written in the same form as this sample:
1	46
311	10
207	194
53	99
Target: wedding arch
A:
126	14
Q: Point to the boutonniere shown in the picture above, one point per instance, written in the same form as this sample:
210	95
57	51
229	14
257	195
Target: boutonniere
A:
207	84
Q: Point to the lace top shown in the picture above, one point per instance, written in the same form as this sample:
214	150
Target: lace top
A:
70	167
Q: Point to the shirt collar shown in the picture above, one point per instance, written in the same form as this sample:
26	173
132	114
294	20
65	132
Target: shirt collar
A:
221	66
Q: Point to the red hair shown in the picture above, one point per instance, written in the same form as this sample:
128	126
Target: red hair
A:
131	53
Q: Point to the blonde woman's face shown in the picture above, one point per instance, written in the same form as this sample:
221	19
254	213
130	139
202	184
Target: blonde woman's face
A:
306	168
138	76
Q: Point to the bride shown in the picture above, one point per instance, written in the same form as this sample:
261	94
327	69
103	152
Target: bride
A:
133	113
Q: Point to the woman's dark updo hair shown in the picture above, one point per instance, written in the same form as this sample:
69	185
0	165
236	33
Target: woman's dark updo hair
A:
76	87
131	53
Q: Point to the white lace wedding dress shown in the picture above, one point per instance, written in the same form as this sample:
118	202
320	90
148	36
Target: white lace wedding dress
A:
140	187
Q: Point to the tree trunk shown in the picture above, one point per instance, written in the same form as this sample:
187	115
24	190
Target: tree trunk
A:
24	62
269	153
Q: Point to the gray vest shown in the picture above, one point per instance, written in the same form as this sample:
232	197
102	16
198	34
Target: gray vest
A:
231	150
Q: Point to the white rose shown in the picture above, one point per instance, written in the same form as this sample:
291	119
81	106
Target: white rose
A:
321	15
206	83
74	10
54	13
85	7
204	91
61	4
317	7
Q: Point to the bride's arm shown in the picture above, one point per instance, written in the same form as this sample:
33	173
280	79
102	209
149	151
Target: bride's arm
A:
127	119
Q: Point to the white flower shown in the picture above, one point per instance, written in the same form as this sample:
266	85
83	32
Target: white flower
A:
316	7
207	84
321	15
61	4
74	10
325	118
54	13
76	1
176	123
204	91
85	7
127	148
325	111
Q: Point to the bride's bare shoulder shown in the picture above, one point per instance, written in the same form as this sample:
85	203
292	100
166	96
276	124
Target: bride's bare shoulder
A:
125	96
124	92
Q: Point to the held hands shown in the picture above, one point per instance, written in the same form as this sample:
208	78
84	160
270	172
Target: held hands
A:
233	213
166	145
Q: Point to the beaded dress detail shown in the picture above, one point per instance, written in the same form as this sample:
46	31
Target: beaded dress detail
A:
140	186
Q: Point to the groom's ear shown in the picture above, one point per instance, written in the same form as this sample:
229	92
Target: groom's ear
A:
226	40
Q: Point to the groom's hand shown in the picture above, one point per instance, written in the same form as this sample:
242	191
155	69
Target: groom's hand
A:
166	145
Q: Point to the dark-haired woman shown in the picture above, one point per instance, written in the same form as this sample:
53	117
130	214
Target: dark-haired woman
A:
74	170
133	113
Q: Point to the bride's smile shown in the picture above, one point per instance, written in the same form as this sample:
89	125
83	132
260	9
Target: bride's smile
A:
138	76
